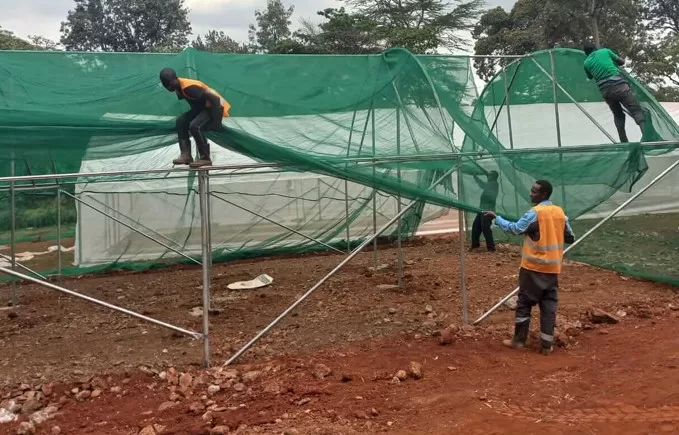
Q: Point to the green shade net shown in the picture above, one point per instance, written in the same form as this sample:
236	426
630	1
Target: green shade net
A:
70	112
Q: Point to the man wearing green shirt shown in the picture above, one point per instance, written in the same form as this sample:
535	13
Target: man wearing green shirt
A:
482	224
603	66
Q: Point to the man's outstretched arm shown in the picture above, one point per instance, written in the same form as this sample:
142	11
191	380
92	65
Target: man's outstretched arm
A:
518	227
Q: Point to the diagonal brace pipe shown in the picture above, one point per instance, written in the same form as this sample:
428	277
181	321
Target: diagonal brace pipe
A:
275	223
131	227
582	109
101	303
353	254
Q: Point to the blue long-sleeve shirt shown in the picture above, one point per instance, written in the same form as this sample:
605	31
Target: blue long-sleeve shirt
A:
530	217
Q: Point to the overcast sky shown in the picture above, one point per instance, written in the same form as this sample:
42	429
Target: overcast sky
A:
43	17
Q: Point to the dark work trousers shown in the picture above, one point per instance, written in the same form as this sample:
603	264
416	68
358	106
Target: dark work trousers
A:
482	225
618	96
194	122
541	289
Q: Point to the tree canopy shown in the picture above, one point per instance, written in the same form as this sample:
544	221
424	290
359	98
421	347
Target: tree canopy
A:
126	25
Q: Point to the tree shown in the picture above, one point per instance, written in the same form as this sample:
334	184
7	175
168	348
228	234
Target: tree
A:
126	25
657	58
420	26
218	42
342	33
540	24
273	26
10	42
42	43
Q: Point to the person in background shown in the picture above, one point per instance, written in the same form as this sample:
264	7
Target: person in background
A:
207	109
482	223
603	66
546	229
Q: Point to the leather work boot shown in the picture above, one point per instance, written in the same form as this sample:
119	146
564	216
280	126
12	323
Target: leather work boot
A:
202	161
185	156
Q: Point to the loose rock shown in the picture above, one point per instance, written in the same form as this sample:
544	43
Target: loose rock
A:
428	309
83	395
446	336
196	408
148	430
252	376
392	310
321	371
166	405
159	428
96	393
600	316
56	430
30	406
415	370
213	389
219	430
26	428
116	390
172	376
401	375
239	387
185	380
6	416
39	417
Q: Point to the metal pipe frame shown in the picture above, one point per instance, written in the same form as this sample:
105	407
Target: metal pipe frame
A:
275	223
49	285
346	184
108	215
12	236
353	254
448	156
59	232
374	193
398	204
584	236
555	91
155	233
509	127
461	226
505	100
26	268
204	199
570	97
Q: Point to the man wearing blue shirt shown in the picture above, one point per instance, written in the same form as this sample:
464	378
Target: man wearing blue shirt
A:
546	229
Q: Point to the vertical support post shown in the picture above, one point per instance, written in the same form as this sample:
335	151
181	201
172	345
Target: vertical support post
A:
346	182
12	236
374	195
59	232
555	90
398	198
511	132
203	188
346	210
320	206
463	279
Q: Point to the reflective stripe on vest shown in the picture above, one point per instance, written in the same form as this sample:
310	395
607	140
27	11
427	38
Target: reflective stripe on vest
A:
545	255
185	83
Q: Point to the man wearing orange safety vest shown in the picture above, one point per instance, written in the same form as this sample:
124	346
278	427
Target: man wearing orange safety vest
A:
208	108
546	229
